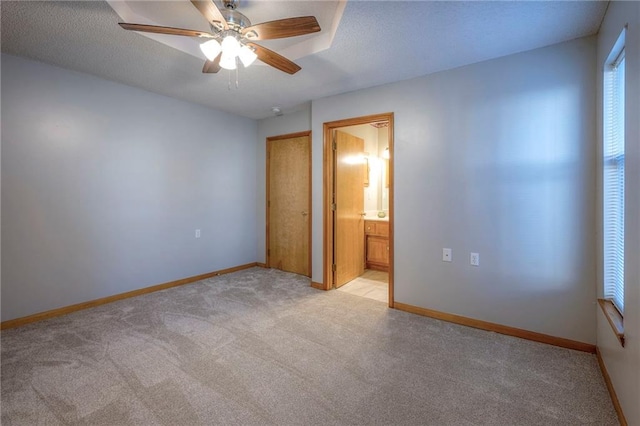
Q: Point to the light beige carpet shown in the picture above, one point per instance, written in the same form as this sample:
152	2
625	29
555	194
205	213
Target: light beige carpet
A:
260	347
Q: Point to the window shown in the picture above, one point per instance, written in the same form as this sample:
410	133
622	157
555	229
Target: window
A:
613	175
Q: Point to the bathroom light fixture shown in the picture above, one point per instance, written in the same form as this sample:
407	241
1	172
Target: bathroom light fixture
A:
385	153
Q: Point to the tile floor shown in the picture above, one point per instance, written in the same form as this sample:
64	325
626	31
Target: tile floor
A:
372	284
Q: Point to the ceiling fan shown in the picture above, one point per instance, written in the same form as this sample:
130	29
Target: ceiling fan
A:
232	36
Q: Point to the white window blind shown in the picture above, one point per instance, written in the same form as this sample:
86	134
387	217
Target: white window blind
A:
614	181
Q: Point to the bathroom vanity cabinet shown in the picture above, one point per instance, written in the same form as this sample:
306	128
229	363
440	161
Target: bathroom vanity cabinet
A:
376	234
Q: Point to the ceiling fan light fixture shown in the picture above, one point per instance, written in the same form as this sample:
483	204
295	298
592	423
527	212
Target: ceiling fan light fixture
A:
227	62
232	36
211	49
247	56
230	46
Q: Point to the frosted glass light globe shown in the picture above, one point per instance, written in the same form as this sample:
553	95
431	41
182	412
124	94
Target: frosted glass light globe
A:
247	56
230	46
227	62
211	49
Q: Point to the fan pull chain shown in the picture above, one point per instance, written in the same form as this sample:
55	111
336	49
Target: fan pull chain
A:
237	79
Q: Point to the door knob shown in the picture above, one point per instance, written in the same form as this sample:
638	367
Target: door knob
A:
304	213
363	214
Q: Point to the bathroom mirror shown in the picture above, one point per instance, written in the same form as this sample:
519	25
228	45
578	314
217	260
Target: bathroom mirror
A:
376	144
383	154
379	170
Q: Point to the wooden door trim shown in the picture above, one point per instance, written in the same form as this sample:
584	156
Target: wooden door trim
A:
327	194
269	142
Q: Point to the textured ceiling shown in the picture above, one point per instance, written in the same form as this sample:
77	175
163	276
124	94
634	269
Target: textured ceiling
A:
182	14
376	42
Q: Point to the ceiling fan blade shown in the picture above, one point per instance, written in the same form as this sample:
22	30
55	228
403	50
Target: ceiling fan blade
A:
282	28
165	30
212	67
210	11
270	57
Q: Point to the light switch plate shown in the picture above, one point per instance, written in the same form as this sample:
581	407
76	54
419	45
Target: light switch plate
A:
474	259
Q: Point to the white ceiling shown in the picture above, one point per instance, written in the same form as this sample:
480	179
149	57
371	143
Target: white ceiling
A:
362	44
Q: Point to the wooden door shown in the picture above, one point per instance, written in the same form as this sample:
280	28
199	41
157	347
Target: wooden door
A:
289	203
349	196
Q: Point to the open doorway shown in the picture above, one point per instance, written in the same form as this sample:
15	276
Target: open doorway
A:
358	206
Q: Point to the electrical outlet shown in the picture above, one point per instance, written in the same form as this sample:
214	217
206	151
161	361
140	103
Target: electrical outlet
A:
474	259
446	255
197	233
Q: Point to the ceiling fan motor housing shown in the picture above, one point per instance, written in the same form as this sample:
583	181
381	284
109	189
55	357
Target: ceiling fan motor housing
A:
230	4
235	20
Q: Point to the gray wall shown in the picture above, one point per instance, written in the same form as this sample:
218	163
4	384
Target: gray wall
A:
103	186
496	158
623	364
